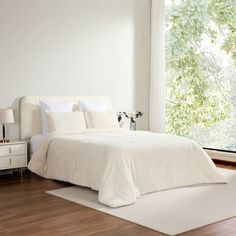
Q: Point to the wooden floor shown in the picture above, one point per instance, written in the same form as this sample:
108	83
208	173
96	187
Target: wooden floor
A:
25	209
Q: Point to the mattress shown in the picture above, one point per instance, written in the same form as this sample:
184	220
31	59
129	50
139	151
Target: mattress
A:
35	142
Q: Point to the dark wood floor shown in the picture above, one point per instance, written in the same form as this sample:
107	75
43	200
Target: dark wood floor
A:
25	209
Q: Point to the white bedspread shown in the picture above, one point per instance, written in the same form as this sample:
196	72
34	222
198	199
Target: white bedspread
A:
122	165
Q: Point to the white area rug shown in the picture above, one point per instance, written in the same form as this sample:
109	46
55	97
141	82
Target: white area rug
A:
171	212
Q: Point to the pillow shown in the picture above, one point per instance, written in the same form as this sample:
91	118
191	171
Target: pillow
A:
61	121
101	120
93	106
55	107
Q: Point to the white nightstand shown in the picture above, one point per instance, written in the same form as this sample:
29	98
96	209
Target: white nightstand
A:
13	155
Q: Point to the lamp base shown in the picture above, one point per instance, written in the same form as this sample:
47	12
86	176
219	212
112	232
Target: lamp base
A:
4	141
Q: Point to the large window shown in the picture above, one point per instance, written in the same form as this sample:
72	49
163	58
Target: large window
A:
201	71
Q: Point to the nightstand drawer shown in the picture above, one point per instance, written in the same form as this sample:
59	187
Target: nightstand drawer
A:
5	163
18	161
12	150
12	162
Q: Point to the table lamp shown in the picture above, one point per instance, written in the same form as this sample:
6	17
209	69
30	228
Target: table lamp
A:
6	117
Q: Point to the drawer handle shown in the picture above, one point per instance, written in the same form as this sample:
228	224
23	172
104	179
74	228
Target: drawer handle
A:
10	150
10	161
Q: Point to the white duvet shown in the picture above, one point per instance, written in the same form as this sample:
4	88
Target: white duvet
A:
122	165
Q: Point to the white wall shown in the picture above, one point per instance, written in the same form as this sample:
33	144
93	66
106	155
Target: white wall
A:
75	47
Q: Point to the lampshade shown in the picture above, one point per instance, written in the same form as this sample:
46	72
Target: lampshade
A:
6	116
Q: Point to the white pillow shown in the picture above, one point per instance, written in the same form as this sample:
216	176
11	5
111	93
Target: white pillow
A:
54	107
61	121
101	120
93	106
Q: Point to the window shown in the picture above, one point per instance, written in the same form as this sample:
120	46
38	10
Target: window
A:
201	71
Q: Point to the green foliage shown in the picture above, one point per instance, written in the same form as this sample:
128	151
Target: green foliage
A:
193	95
223	12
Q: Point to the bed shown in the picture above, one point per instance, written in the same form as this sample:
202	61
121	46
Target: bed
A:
120	164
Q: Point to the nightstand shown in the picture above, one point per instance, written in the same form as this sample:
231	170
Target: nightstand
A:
13	155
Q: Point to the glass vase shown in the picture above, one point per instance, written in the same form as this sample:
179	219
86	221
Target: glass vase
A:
132	125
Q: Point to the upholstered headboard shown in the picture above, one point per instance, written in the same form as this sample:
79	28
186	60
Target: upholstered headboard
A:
30	113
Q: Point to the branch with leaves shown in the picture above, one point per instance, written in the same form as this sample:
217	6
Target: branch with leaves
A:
191	88
131	115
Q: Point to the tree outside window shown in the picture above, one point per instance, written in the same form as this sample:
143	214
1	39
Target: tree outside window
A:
201	71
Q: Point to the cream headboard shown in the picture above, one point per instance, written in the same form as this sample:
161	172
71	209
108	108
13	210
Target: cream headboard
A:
30	114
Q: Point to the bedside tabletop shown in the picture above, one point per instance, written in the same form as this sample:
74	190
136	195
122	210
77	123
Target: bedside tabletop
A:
13	155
